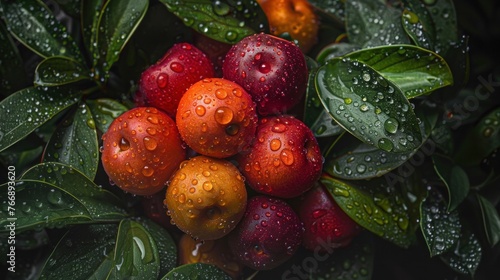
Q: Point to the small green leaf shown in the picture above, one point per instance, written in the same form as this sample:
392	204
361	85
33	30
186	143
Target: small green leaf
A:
117	22
481	140
418	24
11	66
455	179
373	23
367	105
414	70
25	110
100	203
444	16
465	256
167	249
491	220
440	228
84	251
75	143
104	111
91	9
333	50
135	253
198	271
34	25
59	70
380	209
225	21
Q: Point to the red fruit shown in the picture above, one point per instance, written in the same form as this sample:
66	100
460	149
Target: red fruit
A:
284	160
215	50
141	150
268	235
163	84
271	69
324	221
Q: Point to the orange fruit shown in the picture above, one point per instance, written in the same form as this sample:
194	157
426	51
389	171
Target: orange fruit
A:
216	117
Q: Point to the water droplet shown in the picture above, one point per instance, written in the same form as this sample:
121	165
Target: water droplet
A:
275	144
224	115
410	16
279	128
124	144
162	80
150	143
361	168
385	144
363	108
487	132
54	197
347	101
200	110
391	125
286	156
366	77
146	171
207	186
221	93
177	67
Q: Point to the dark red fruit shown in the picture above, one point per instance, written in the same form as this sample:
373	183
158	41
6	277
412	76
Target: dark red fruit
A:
284	160
163	84
271	69
324	221
268	235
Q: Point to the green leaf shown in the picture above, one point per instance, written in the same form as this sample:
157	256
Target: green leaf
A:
167	249
481	140
11	66
332	8
117	22
455	179
84	252
414	70
100	203
418	24
465	256
198	271
335	49
135	253
90	11
34	25
373	23
25	110
225	21
60	70
444	16
367	105
440	227
39	204
380	209
104	111
75	143
490	218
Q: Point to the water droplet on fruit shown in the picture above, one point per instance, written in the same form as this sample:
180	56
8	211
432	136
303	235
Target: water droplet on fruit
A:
221	93
124	144
264	68
162	80
286	156
128	168
150	143
200	110
153	119
176	67
207	186
275	144
148	172
181	198
279	128
318	213
151	131
224	115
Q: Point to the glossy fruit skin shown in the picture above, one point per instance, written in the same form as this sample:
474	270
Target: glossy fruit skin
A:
304	26
271	69
268	235
214	252
141	150
217	118
206	197
215	50
284	160
163	83
324	221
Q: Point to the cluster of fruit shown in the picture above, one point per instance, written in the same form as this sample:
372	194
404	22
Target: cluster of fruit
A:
229	155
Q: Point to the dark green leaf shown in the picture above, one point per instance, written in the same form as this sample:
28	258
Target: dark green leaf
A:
117	22
34	25
11	64
465	256
167	249
75	143
59	70
481	140
225	21
335	50
373	23
414	70
39	204
491	220
380	209
25	110
91	9
198	271
444	16
332	8
418	24
104	111
368	106
84	252
455	179
135	253
100	204
440	228
71	7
